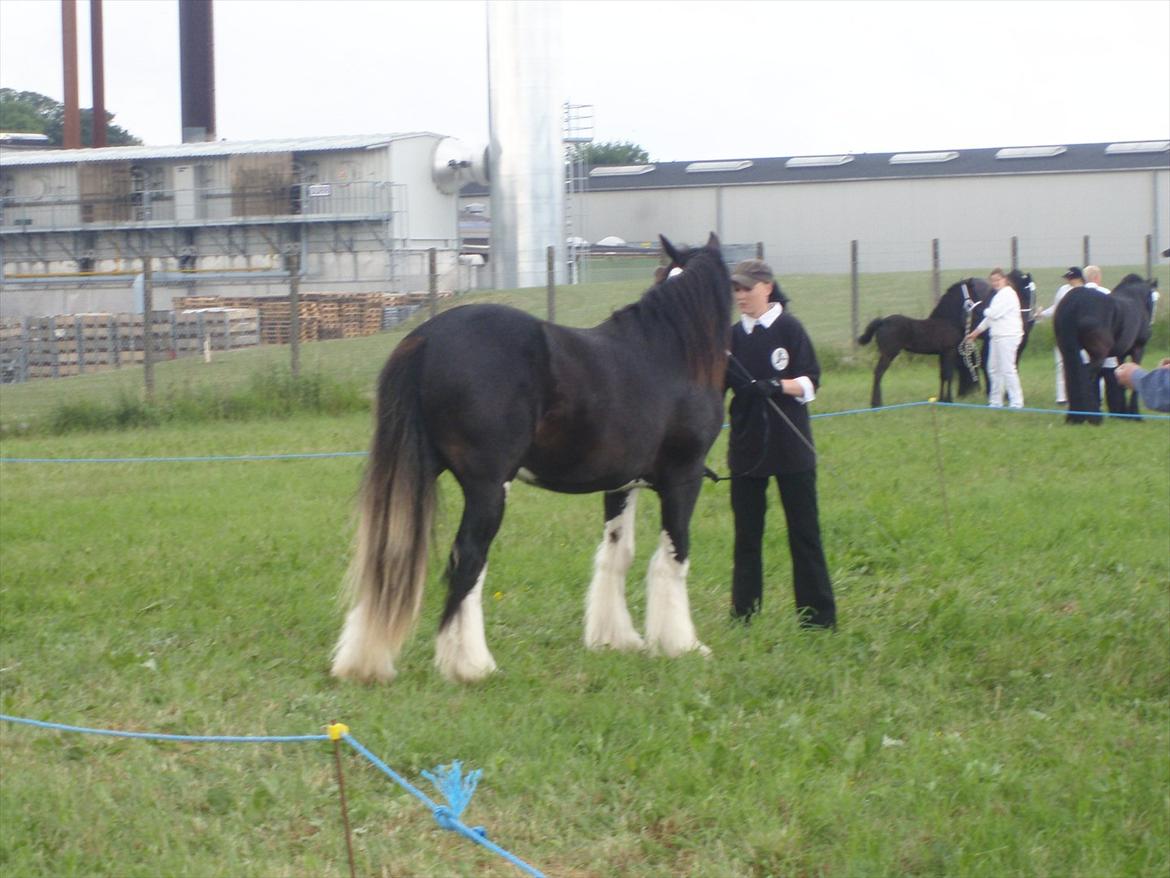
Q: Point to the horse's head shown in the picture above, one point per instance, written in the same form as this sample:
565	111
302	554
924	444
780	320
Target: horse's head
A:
963	302
679	257
1142	290
1025	286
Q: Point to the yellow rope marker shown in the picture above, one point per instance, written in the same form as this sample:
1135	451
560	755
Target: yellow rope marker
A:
337	731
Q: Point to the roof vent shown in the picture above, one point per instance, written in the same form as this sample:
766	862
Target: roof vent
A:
1030	152
922	158
708	167
621	170
1137	146
818	161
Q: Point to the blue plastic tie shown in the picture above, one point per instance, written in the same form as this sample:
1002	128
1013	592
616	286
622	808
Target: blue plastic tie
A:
458	790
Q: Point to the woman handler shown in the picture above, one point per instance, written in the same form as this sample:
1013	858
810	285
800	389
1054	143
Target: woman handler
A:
773	372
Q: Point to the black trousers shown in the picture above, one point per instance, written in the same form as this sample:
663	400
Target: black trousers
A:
810	573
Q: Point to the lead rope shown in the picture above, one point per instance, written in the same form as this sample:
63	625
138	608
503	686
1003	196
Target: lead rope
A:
823	467
968	350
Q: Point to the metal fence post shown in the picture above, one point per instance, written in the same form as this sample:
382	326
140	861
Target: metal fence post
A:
855	293
292	261
433	280
148	327
935	271
1149	256
55	347
1086	259
552	283
114	341
1015	253
25	341
759	250
80	345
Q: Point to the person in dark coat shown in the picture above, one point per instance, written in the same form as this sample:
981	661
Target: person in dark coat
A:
774	374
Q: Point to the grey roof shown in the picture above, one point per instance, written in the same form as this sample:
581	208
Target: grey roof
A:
209	149
877	166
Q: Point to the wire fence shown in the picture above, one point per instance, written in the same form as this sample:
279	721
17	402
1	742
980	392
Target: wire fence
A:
448	779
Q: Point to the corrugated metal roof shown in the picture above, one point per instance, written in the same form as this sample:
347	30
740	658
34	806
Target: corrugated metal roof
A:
1072	158
210	149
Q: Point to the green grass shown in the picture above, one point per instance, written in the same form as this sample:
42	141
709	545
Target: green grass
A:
996	702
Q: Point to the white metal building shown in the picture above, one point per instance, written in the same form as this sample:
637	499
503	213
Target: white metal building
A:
807	209
361	212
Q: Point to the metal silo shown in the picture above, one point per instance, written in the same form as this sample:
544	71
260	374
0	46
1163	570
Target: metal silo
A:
527	155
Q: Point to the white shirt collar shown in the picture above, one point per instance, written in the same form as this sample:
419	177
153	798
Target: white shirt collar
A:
766	319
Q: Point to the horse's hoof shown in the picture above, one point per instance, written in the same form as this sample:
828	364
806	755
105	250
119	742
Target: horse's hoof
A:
633	643
374	673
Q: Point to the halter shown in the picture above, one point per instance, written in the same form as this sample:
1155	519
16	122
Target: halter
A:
968	351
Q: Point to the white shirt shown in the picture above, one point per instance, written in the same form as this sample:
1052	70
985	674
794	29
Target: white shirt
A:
1002	315
1060	294
766	320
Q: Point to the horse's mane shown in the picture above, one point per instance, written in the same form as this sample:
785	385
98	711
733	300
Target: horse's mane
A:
950	303
690	311
1138	289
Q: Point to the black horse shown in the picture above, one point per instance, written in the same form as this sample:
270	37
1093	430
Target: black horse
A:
957	311
494	394
1116	325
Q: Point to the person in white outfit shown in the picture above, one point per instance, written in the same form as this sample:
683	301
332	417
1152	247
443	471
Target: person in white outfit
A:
1002	317
1073	278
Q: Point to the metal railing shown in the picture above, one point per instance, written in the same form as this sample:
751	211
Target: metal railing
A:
200	206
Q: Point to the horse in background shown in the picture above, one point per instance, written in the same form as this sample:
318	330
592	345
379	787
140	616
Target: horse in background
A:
493	394
1025	288
957	311
1114	325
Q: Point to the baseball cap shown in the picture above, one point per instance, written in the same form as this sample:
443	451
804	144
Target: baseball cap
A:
1073	273
751	272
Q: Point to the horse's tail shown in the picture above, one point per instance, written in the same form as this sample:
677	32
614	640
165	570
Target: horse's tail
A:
395	512
873	327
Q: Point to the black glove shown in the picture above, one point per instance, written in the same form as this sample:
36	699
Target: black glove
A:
763	388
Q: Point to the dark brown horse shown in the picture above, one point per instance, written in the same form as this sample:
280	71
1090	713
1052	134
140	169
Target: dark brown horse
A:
494	394
958	309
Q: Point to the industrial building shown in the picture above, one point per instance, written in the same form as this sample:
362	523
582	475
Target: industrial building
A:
1057	201
360	214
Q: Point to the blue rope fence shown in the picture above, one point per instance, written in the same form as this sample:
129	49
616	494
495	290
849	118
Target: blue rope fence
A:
448	779
321	455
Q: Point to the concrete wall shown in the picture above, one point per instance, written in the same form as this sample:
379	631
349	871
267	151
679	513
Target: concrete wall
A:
807	227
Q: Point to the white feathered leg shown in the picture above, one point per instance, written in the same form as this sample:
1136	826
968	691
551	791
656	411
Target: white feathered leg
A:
461	650
669	629
363	651
607	616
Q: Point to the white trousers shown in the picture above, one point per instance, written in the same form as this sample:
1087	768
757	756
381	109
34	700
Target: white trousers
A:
1061	392
1002	374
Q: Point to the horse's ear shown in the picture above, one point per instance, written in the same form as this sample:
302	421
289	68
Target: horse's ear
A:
713	242
670	250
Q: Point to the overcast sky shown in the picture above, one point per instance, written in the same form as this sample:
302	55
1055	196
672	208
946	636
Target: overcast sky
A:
685	80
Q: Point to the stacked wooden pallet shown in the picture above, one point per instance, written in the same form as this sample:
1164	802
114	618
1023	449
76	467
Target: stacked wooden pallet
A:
51	347
322	315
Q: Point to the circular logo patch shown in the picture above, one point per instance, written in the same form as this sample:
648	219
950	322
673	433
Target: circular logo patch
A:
780	359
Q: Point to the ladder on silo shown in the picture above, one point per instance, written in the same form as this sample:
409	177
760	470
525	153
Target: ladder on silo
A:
578	131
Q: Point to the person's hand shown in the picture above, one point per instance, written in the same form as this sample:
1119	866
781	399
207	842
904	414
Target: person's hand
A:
1124	374
762	388
1165	362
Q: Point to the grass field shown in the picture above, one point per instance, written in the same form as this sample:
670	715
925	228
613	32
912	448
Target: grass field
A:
996	702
